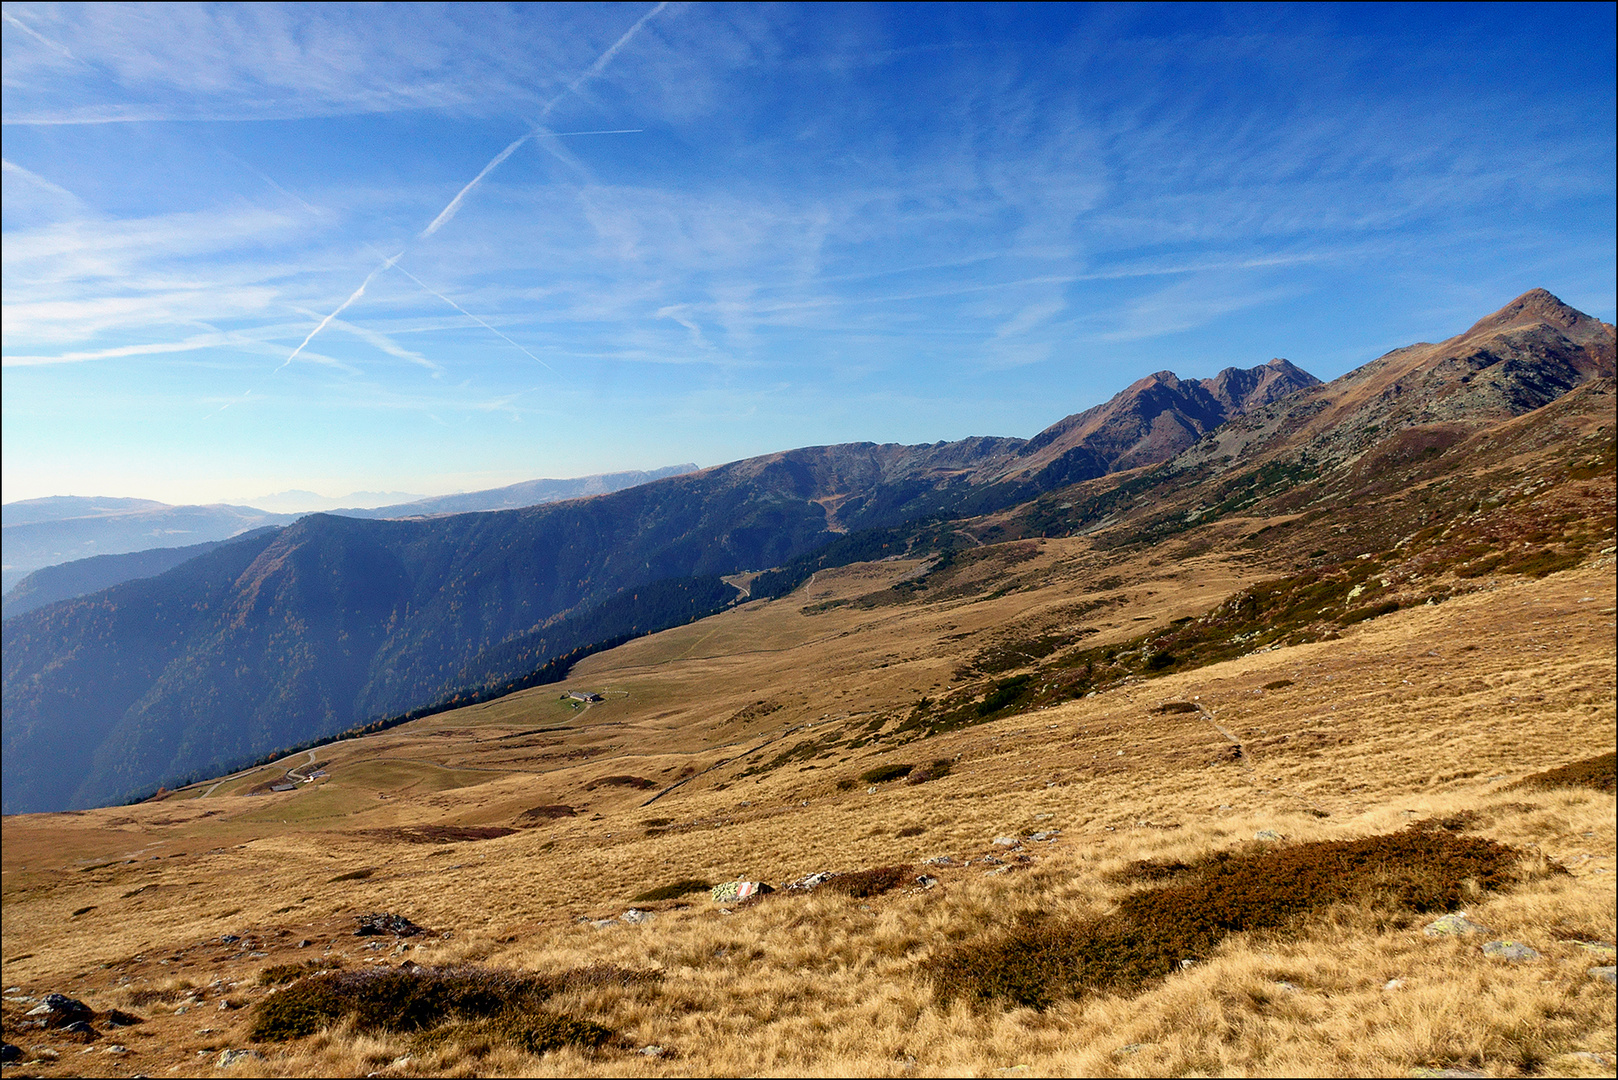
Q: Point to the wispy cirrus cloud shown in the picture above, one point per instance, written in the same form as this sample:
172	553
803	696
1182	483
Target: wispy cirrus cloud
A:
129	63
816	205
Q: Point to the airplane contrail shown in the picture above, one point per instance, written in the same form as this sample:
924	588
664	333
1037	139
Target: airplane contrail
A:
448	212
469	315
355	295
455	204
591	72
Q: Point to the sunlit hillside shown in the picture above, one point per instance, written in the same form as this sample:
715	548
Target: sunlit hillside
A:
1050	849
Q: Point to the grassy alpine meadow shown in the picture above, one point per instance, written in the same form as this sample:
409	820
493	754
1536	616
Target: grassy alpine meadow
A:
1224	870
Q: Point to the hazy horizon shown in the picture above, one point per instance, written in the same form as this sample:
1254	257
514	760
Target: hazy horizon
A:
438	250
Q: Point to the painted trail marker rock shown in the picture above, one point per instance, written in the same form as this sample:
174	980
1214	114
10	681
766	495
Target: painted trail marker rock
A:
732	891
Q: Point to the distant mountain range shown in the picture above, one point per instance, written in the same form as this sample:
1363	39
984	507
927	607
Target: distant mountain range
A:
66	529
309	502
333	621
67	580
45	532
527	493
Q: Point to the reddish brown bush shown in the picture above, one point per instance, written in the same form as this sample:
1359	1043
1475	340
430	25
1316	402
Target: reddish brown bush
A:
1599	772
864	883
1039	961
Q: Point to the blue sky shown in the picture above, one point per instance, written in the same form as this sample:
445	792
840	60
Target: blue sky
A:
811	224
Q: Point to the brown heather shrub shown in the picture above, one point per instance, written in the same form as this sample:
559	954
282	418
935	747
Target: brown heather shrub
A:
1175	707
548	813
1144	871
1039	960
167	995
1278	684
475	1001
535	1033
637	782
1599	772
865	883
437	834
276	974
1460	821
883	773
936	770
683	887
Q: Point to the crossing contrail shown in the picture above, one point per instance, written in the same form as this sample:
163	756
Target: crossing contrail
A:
591	72
448	212
355	295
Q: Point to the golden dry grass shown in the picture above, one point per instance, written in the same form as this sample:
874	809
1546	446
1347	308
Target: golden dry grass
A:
1421	714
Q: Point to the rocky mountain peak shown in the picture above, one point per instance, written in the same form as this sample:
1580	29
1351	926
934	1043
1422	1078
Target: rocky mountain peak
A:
1535	305
1241	389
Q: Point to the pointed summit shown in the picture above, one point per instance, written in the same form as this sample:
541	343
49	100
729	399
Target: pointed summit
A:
1239	389
1535	305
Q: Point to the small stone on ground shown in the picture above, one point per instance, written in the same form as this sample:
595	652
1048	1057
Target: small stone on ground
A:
1510	950
1453	924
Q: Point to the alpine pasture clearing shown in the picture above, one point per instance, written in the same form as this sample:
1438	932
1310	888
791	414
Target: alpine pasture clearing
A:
1428	714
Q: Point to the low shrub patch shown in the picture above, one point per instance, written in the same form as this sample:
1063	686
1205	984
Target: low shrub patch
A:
1278	684
1006	693
276	974
638	782
683	887
865	883
1040	960
437	834
1372	611
1599	772
548	813
1169	707
409	998
1143	871
883	773
146	995
354	875
936	770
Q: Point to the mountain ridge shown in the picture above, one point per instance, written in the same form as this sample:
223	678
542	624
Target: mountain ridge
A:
447	590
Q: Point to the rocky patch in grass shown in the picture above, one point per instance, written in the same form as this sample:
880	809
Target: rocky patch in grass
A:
1040	960
382	922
